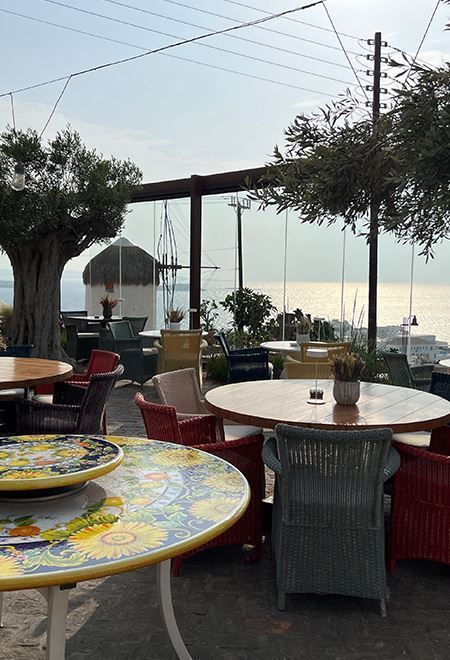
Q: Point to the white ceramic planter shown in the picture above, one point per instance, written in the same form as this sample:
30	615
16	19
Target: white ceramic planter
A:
346	393
301	337
175	326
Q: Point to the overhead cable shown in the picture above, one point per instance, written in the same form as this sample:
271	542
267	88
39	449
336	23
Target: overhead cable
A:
179	20
225	50
345	52
244	39
164	48
287	18
422	40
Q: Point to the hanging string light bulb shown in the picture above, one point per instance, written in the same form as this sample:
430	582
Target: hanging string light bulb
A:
18	180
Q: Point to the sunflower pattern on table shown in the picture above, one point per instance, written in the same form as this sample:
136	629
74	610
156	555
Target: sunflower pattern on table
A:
161	501
46	461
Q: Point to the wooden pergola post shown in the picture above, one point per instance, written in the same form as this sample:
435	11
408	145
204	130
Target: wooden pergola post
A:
195	252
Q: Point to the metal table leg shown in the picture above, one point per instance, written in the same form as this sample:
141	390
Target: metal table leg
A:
164	595
57	603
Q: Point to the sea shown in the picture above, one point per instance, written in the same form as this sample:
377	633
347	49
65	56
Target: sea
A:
430	303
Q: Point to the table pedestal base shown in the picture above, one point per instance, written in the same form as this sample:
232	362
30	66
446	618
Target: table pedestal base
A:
164	595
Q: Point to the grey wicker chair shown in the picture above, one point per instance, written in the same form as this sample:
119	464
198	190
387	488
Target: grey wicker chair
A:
139	363
76	409
400	373
328	521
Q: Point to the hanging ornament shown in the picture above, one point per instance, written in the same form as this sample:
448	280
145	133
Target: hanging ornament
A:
18	180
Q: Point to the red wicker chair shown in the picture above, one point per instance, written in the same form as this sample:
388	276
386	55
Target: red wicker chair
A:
161	423
420	521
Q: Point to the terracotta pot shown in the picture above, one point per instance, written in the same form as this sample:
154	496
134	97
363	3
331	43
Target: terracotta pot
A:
346	393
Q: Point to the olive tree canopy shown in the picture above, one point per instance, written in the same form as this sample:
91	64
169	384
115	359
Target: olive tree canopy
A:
73	197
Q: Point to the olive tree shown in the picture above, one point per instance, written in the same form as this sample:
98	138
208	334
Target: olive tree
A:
73	197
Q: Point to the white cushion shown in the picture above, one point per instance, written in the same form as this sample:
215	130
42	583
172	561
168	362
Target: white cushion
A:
9	395
150	351
43	398
236	431
416	439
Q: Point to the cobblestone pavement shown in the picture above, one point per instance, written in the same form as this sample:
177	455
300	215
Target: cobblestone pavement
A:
226	609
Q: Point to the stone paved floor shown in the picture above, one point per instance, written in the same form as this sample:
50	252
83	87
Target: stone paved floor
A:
226	610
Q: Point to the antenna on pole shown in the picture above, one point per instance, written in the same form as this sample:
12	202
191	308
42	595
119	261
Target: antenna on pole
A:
240	205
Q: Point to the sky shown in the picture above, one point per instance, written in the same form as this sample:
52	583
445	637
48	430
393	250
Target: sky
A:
201	109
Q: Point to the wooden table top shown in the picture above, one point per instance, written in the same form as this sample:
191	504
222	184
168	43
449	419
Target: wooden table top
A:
265	403
27	372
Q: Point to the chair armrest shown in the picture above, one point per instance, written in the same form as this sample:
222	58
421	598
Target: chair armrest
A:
157	345
69	394
203	344
270	455
36	417
198	430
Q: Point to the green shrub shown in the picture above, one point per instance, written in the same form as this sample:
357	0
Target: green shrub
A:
216	368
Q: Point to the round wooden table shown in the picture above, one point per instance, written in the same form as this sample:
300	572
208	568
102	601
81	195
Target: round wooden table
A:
266	403
163	500
28	372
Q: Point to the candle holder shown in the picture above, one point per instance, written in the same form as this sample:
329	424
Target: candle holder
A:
315	393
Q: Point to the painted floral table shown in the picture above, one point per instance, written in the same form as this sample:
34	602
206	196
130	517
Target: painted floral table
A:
163	500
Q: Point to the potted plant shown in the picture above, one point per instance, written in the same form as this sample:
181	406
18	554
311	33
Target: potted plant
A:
108	305
346	369
174	317
303	325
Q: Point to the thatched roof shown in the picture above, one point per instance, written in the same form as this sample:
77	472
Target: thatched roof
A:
137	265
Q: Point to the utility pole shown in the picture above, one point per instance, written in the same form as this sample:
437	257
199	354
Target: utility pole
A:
375	195
240	205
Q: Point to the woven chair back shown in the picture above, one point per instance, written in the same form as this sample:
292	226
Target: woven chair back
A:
333	348
294	369
137	323
440	384
224	343
121	330
398	369
181	342
180	389
333	479
101	362
95	399
160	421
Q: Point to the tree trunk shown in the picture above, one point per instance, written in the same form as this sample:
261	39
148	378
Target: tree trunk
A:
37	297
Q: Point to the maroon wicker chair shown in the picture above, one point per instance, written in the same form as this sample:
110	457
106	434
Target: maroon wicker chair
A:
161	423
76	409
420	521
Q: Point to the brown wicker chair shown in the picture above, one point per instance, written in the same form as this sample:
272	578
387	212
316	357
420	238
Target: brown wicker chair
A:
76	409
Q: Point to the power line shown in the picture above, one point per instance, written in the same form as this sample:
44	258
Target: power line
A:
203	11
345	52
250	41
218	48
422	40
55	106
151	52
287	18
